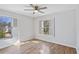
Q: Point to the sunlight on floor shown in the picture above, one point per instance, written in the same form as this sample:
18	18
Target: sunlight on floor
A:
36	42
44	49
17	43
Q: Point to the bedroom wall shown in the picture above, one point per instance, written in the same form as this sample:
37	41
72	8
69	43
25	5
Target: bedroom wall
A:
77	28
65	32
23	31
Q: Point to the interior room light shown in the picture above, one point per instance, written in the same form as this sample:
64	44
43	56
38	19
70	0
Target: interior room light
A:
35	11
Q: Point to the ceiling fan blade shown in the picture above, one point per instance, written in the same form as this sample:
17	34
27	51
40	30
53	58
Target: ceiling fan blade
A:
27	5
28	9
42	8
40	11
32	5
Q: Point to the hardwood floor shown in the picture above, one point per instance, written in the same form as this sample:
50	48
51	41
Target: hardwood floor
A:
36	46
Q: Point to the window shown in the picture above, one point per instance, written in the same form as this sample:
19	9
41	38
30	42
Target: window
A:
5	27
44	27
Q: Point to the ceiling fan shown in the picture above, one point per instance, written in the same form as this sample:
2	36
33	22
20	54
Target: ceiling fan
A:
36	8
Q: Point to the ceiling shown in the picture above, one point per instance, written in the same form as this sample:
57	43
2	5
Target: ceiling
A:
51	8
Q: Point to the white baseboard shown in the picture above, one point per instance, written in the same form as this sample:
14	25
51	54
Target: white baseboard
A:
58	43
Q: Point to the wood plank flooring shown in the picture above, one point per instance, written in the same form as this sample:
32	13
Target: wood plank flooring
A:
36	46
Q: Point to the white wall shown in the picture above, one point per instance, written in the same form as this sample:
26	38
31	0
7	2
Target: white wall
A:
77	28
25	28
23	31
64	28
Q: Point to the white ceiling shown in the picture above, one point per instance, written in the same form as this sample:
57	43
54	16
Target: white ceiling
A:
51	8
